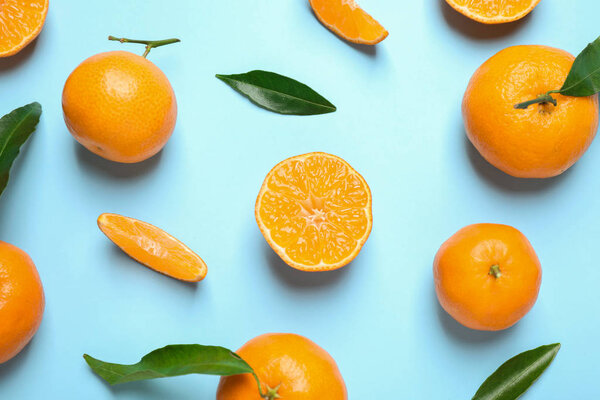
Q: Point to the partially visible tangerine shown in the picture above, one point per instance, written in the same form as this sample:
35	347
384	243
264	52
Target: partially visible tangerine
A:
20	23
487	276
314	210
153	247
21	301
494	11
346	19
289	367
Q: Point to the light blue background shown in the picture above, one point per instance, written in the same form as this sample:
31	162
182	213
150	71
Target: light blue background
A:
398	123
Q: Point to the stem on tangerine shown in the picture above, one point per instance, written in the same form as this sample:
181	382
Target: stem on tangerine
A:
544	98
150	44
495	271
271	393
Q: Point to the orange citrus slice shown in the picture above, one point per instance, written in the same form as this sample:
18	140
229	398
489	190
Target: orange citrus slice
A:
314	210
20	23
494	11
346	19
153	247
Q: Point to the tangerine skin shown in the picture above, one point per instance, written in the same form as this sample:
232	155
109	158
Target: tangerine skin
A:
303	369
120	106
21	301
541	141
466	289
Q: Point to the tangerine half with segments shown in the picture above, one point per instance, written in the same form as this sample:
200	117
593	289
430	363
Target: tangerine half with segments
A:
20	23
314	210
494	11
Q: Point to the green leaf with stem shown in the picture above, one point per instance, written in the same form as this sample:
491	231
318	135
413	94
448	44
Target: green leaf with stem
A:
583	79
15	128
515	376
150	44
177	360
278	93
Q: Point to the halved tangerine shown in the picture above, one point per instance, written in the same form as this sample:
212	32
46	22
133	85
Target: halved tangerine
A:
153	247
494	11
20	23
346	19
314	210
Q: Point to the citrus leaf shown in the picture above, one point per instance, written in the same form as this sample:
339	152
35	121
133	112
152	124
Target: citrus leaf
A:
15	128
278	93
515	376
173	360
584	77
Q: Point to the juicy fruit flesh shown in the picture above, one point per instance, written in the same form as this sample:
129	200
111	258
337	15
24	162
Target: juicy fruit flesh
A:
348	20
316	209
19	22
495	9
153	247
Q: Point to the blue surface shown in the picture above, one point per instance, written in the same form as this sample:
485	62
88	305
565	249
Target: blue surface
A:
398	123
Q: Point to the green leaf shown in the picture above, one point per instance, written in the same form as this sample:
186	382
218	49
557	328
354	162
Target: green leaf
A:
278	93
173	360
584	77
515	376
15	129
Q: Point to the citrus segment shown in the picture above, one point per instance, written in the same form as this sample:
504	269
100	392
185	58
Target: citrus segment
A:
20	23
153	247
346	19
315	211
494	11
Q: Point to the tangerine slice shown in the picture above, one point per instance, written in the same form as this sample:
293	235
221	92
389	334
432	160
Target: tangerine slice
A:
494	11
346	19
153	247
20	23
314	210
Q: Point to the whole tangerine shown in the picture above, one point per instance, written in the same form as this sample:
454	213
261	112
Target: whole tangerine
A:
21	301
120	106
487	276
289	367
540	141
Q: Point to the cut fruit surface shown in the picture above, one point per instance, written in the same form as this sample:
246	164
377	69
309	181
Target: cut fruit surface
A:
153	247
20	23
314	210
346	19
494	11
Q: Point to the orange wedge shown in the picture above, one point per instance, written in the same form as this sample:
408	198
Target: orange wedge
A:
346	19
494	11
314	210
20	23
153	247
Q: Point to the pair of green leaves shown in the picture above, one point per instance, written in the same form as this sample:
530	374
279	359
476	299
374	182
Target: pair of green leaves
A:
508	382
15	128
278	93
583	79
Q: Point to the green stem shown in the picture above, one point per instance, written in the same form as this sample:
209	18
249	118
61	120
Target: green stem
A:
271	393
150	44
544	98
495	271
